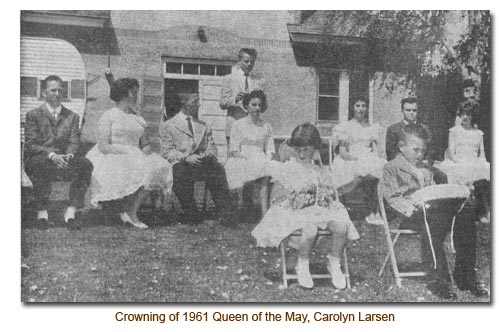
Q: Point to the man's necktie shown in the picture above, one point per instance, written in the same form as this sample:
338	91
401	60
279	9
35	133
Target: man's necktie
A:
190	126
246	82
54	116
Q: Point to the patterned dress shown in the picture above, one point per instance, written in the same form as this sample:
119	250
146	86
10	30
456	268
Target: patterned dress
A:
118	175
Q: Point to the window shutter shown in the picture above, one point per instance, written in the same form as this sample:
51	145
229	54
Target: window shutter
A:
152	99
78	89
151	102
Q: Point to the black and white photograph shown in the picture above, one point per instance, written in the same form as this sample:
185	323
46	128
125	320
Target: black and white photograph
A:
255	156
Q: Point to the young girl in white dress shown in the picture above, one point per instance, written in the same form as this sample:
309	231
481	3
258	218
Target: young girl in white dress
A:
358	161
303	199
251	148
465	162
123	167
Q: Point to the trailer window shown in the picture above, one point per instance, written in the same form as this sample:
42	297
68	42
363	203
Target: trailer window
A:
64	86
28	86
77	89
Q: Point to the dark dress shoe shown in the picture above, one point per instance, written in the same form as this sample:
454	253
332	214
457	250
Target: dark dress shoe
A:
442	289
469	282
42	224
73	225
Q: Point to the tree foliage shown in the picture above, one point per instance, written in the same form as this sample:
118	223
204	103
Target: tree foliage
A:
417	43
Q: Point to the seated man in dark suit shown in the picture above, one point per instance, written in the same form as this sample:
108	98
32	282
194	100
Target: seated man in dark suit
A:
394	135
52	140
188	143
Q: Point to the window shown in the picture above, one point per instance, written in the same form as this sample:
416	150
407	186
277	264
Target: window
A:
328	98
76	89
335	88
358	86
197	67
64	89
29	86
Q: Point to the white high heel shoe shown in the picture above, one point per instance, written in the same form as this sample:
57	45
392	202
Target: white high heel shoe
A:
127	220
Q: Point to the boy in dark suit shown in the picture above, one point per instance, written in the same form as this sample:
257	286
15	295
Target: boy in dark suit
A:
52	140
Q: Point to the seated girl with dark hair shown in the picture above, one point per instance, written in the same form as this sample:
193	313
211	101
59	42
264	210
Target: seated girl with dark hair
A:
465	162
304	199
251	149
124	166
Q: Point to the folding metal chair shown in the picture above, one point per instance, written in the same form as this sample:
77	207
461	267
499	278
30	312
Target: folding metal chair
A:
392	235
285	153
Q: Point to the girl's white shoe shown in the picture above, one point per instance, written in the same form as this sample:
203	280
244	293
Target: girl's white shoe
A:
127	220
303	274
338	278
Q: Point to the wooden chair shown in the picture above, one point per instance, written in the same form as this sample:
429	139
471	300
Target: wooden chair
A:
285	153
392	235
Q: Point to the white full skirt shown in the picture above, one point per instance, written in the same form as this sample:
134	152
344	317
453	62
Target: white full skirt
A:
118	175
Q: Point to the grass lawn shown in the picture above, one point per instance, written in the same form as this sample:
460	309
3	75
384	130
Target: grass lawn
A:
171	262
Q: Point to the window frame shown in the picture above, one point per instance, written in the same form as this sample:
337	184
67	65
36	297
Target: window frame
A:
343	95
193	61
69	83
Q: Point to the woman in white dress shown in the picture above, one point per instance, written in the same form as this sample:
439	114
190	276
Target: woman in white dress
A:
465	162
125	167
358	161
303	198
251	148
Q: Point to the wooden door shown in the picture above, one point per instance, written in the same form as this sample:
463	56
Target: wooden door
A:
211	113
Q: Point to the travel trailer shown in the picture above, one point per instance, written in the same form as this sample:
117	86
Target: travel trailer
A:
41	57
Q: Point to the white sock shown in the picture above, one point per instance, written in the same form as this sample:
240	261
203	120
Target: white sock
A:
334	260
43	214
70	213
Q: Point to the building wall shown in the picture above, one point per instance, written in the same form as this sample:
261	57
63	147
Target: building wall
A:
265	24
144	37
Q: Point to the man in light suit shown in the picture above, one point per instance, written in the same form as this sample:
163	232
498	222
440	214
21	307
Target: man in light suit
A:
52	140
188	143
237	84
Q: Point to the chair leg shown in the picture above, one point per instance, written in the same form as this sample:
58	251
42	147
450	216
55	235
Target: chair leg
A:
396	237
392	256
283	263
346	270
